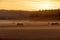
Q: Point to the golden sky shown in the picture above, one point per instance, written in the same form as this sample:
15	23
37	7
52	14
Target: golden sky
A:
29	4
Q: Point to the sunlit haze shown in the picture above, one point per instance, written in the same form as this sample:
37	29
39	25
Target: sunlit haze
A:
29	4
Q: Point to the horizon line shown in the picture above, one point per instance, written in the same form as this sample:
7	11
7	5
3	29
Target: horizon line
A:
31	10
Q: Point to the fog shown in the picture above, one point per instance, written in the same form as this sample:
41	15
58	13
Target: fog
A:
31	30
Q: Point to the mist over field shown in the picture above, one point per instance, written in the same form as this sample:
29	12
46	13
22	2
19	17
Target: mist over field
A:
30	25
29	19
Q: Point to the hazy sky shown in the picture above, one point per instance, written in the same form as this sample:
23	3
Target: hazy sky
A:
29	4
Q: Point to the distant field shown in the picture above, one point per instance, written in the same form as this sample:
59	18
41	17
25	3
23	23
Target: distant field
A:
11	23
30	31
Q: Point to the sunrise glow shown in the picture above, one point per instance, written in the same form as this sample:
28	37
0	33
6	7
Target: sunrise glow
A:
29	4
